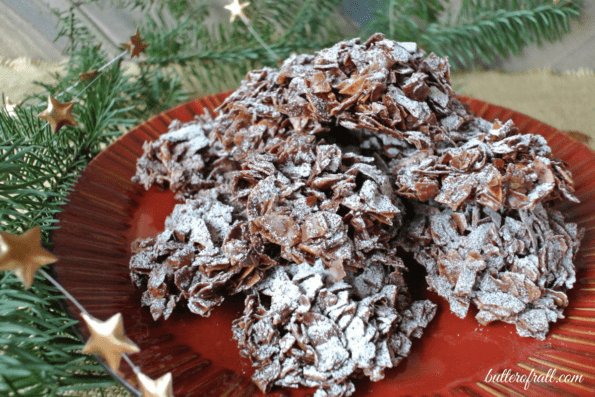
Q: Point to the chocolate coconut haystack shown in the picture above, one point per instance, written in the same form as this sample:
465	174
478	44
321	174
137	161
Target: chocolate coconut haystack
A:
311	179
382	86
514	265
315	332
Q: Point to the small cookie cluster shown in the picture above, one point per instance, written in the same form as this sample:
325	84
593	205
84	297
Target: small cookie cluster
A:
301	328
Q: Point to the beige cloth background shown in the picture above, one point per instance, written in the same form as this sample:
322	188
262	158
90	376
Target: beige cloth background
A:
565	101
17	76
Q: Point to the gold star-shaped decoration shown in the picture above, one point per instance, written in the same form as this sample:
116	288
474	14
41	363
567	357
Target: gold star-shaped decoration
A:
108	339
10	107
236	9
58	114
23	254
161	387
136	45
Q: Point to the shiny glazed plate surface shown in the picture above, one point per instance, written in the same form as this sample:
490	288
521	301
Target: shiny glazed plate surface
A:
107	211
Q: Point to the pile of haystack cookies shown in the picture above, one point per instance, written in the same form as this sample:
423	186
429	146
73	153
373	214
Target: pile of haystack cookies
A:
311	184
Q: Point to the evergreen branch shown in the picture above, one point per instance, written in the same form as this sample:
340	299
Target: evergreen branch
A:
483	30
404	20
487	30
41	354
216	57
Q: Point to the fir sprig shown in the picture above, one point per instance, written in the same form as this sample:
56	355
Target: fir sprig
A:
481	32
213	58
41	354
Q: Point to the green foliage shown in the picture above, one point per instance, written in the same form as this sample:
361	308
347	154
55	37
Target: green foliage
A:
37	169
481	31
403	20
214	57
41	353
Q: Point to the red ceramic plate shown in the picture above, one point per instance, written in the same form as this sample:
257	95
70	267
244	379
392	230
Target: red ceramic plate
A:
106	212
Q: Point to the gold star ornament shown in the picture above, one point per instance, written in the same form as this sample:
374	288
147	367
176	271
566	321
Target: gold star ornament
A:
237	9
58	114
136	45
108	340
23	254
161	387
